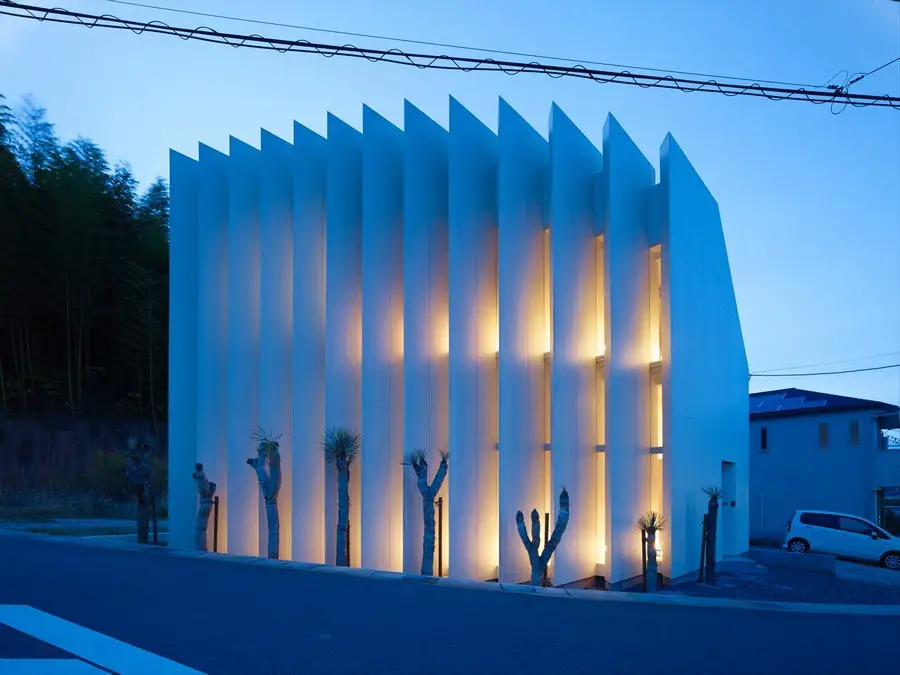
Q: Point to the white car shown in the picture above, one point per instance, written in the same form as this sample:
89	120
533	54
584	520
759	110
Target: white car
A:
843	535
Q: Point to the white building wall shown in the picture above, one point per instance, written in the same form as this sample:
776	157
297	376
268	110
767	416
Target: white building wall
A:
704	368
183	307
426	317
382	344
473	346
343	314
276	319
270	339
308	349
242	419
212	330
521	196
628	178
574	163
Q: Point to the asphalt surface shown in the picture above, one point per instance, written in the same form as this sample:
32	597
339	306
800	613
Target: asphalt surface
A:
223	617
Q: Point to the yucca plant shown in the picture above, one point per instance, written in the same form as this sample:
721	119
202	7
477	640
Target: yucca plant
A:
269	482
419	464
207	490
341	446
540	559
650	523
712	526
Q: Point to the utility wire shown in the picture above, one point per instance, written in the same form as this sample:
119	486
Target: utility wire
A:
445	62
449	45
827	363
832	372
861	76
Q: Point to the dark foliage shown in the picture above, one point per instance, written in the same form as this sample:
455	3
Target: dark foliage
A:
83	278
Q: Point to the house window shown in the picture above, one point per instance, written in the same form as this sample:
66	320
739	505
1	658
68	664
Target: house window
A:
854	432
823	434
763	439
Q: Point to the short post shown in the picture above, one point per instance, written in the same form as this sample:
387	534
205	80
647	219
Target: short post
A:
215	524
702	550
643	561
440	536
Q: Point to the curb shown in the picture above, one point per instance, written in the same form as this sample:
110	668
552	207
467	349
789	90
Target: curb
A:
483	586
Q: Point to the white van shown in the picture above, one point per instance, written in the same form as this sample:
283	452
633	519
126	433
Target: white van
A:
842	535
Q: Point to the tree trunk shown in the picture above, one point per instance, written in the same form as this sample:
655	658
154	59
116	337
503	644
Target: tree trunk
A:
2	386
202	523
652	565
23	381
428	539
711	540
28	361
343	513
69	342
150	360
273	525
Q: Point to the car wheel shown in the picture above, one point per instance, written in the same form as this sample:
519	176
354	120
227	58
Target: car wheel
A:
798	546
891	560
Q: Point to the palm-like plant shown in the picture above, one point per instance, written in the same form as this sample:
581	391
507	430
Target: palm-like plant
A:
341	446
712	526
269	482
419	464
650	523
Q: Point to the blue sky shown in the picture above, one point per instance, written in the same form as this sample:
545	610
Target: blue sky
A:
810	201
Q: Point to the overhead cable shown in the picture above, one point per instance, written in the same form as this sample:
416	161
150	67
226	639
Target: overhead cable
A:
451	62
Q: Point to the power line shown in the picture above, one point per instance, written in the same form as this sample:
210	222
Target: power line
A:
861	76
444	62
832	372
827	363
449	45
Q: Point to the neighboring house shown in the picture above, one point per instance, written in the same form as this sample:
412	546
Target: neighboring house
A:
554	312
810	450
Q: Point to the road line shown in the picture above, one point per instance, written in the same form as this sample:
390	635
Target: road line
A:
47	667
90	645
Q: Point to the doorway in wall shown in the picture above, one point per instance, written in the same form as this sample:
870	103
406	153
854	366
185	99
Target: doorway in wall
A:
726	508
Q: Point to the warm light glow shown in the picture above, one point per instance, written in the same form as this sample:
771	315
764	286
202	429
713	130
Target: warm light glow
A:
548	311
601	553
600	303
441	336
655	303
659	456
659	552
659	416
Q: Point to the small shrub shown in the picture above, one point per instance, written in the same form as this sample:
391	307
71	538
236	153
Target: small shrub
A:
106	475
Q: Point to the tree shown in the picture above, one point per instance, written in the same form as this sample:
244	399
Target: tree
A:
207	490
341	445
540	559
650	523
712	526
138	471
419	465
269	482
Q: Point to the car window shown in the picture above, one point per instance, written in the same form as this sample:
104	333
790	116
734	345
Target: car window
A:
855	526
819	520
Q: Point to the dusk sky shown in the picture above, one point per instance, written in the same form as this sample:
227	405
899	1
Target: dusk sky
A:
810	200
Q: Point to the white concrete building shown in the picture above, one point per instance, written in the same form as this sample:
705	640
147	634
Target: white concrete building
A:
544	308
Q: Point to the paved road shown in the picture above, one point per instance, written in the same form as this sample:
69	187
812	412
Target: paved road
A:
220	617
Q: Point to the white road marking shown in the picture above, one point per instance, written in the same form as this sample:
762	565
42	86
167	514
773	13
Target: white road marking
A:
47	667
102	650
